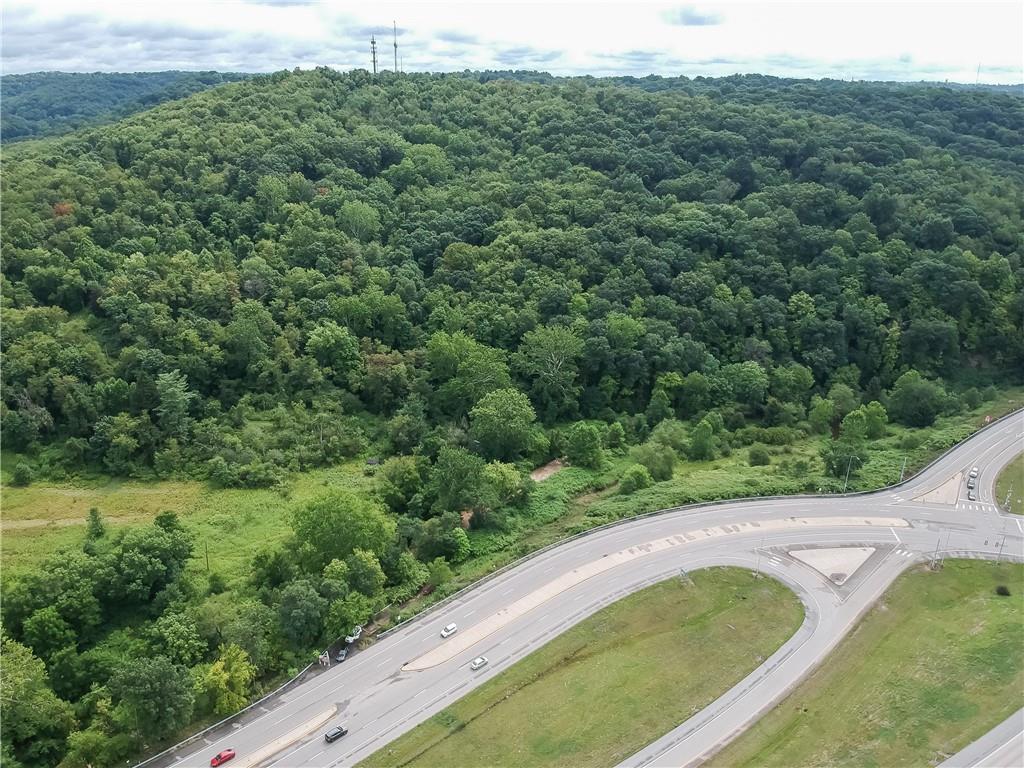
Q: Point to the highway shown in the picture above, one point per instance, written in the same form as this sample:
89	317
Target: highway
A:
1002	747
403	679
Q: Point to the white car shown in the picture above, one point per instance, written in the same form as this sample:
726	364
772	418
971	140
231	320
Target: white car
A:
478	662
974	472
449	630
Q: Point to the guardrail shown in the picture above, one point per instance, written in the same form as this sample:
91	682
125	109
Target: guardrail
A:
555	545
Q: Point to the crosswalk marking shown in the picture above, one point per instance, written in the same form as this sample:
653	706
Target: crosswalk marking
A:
975	507
903	553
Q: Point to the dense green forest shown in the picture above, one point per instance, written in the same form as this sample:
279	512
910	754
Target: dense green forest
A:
459	277
50	103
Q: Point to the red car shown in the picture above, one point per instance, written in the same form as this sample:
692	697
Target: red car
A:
221	757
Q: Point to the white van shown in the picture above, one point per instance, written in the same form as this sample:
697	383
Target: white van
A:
449	630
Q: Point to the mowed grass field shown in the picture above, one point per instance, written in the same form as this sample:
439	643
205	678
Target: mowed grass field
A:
1010	487
935	665
614	682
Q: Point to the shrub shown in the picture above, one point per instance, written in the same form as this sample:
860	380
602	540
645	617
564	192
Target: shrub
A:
658	459
216	583
22	475
1003	591
671	433
911	441
972	398
634	478
583	445
758	456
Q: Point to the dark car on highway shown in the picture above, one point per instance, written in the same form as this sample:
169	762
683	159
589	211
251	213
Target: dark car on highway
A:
335	733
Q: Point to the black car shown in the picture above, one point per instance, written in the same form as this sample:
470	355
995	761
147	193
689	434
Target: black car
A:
335	733
341	655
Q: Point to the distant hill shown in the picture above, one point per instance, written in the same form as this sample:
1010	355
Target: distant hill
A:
52	103
981	122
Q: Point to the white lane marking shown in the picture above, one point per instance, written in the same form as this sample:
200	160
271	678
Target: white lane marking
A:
508	591
1021	527
896	535
385	662
471	613
419	694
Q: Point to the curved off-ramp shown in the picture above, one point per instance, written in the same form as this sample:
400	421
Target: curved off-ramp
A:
378	701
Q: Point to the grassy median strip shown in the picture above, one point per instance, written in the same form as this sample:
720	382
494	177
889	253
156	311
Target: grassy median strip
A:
613	683
1010	486
935	665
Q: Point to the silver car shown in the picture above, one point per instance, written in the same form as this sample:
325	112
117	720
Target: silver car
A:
478	662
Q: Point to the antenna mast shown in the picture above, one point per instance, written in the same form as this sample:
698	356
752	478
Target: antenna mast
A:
373	52
394	27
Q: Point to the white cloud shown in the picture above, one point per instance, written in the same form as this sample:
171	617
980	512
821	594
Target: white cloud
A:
911	40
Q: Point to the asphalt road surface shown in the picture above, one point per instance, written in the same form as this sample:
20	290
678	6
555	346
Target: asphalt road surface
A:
520	610
1002	747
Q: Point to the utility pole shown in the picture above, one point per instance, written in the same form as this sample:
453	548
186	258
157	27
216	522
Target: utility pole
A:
373	52
207	545
394	28
903	468
848	465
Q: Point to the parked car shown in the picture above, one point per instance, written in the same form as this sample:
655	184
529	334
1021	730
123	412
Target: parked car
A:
478	662
335	733
221	757
971	482
974	472
357	632
972	496
341	655
449	630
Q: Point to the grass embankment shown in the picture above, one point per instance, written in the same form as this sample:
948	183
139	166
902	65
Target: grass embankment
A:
1010	487
935	665
614	682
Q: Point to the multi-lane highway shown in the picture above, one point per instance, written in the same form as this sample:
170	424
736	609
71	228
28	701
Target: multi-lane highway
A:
405	678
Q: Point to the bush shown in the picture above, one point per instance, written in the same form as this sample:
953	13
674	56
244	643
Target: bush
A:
216	583
972	398
634	478
1003	591
22	475
758	456
658	459
910	441
671	433
583	445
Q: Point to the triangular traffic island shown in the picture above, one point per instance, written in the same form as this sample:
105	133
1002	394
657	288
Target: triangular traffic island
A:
947	493
837	564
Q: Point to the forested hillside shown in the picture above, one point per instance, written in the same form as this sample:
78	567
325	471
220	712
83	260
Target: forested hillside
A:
979	122
462	280
51	103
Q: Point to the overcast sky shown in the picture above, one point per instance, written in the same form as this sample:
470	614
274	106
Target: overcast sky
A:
826	38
